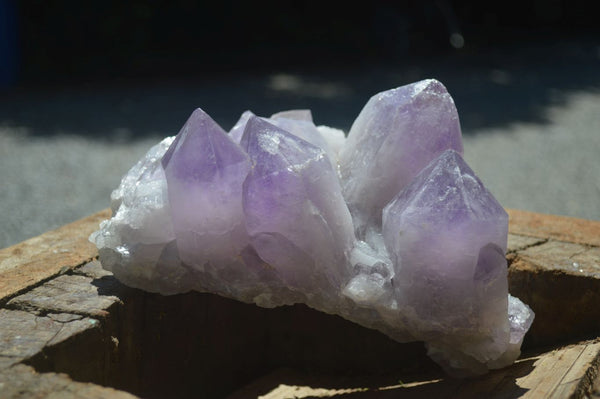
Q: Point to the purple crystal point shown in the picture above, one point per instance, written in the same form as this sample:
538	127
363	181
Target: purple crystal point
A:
295	212
298	122
237	130
205	170
303	128
397	133
447	236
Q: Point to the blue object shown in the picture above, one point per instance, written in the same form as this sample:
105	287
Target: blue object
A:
8	43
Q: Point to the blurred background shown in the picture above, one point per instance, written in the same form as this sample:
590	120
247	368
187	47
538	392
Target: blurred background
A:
87	87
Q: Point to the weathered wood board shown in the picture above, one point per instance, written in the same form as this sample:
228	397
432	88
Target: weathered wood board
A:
559	373
70	329
22	381
40	258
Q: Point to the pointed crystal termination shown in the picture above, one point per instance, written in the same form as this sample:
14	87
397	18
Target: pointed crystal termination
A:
447	236
298	122
397	133
205	170
301	125
295	213
237	130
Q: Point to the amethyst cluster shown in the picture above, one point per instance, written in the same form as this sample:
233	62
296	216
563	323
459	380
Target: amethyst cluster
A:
387	227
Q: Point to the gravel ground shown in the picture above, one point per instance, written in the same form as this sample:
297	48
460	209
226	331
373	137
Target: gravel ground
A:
549	168
530	117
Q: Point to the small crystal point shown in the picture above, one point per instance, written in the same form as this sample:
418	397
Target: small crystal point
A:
237	130
298	122
296	114
397	133
205	170
447	235
302	126
295	212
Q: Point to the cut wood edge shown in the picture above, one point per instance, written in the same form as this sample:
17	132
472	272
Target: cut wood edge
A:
566	372
22	381
36	260
561	228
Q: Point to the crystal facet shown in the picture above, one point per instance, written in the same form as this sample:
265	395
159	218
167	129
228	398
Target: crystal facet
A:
389	228
295	212
205	170
447	236
397	133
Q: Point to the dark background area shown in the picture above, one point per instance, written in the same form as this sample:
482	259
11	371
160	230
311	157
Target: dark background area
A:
60	41
94	67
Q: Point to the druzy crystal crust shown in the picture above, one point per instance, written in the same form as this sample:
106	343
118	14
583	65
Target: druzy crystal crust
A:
388	227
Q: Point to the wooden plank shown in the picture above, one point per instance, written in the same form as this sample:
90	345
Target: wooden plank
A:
566	257
561	228
572	381
39	258
595	394
71	324
22	381
561	373
560	281
23	335
70	294
518	242
549	370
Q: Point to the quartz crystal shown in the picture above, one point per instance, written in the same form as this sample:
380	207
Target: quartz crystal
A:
389	227
396	134
295	211
443	282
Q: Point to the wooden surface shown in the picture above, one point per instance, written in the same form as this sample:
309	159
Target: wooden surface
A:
22	381
70	329
561	228
40	258
559	373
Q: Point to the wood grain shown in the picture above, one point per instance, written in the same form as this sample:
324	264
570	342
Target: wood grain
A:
22	382
39	258
561	373
561	228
